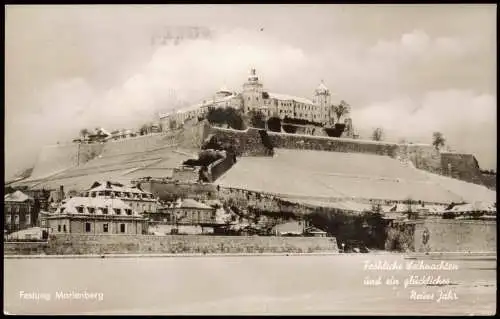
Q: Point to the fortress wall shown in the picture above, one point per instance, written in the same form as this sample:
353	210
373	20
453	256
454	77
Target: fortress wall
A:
191	137
307	142
490	181
463	166
247	143
250	142
137	144
446	235
186	174
422	156
220	166
167	189
56	158
144	244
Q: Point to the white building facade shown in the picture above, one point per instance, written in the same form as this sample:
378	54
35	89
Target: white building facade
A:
255	98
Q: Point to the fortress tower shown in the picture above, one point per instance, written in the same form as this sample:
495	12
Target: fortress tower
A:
322	98
252	92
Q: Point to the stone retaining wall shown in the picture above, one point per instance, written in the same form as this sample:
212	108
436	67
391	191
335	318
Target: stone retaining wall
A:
446	235
461	166
144	244
25	248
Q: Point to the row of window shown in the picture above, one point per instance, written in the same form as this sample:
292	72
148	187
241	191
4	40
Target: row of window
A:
15	208
8	219
193	214
116	194
142	207
104	210
88	228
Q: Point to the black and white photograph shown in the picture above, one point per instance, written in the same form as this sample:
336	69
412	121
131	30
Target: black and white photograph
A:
250	159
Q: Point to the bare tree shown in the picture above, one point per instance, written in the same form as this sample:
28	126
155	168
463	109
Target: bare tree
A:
438	140
341	109
84	132
377	134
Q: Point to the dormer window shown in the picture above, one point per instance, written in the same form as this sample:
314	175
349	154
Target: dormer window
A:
79	209
104	210
91	210
117	211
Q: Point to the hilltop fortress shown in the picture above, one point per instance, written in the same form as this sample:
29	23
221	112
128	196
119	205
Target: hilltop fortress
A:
185	133
321	110
161	155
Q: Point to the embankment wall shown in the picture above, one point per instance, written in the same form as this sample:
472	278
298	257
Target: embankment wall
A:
146	244
446	235
254	142
421	156
461	166
170	190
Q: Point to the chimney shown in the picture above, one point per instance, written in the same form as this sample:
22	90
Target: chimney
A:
108	184
61	191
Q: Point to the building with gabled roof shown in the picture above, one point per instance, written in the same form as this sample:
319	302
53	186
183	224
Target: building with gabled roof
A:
138	199
99	215
20	211
254	98
184	214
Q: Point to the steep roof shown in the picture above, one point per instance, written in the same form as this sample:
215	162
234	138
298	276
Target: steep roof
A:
17	196
70	205
223	89
322	87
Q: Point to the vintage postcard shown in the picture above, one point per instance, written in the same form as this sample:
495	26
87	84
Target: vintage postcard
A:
250	159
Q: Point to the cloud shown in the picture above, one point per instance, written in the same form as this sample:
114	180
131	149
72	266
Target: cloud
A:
417	46
408	73
466	118
174	76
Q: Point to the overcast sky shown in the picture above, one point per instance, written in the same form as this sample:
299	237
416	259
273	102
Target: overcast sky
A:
409	69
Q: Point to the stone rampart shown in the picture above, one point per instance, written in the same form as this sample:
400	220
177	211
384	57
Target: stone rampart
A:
250	143
447	235
461	166
148	244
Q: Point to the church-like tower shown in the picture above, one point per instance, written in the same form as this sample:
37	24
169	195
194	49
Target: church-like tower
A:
252	92
322	98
